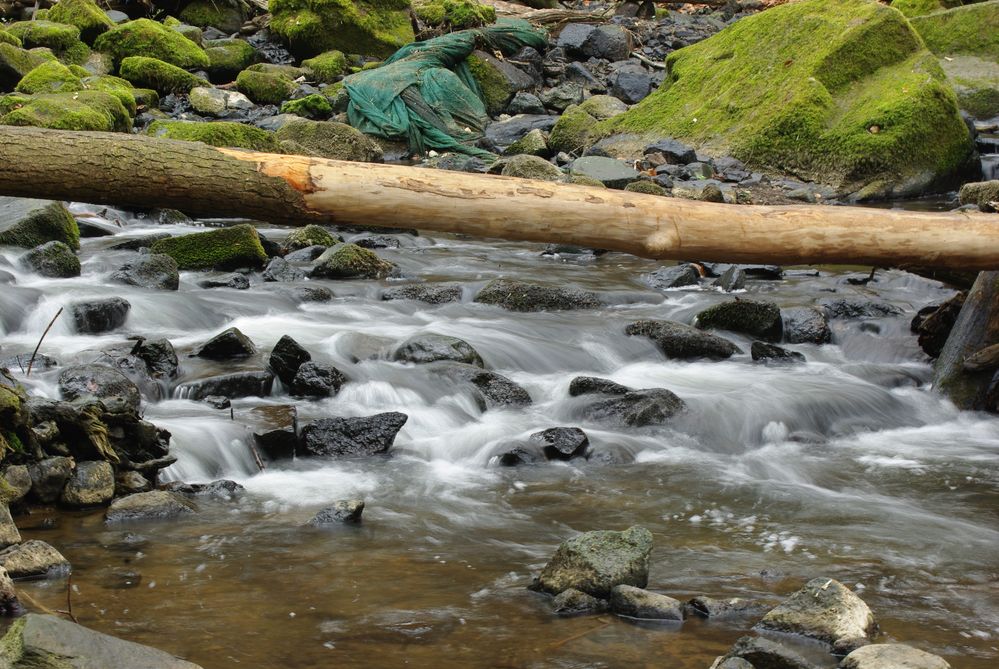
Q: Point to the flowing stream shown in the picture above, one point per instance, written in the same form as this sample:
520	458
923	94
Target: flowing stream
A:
847	467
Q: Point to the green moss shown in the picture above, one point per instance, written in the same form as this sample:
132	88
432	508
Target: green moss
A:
16	62
264	88
36	226
119	88
224	249
310	235
328	139
84	14
583	180
496	90
350	261
572	132
979	102
313	106
229	57
454	14
48	78
327	67
7	38
83	110
972	29
63	40
646	187
367	27
216	133
215	13
158	75
840	93
150	39
919	7
286	71
146	98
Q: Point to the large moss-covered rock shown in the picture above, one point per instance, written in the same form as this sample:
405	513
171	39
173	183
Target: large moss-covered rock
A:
572	131
327	67
224	249
52	259
756	319
497	79
222	15
328	139
63	40
265	88
145	37
315	107
217	133
16	62
228	57
595	562
158	75
7	38
350	261
49	77
454	14
920	7
29	223
126	93
367	27
843	93
85	15
82	110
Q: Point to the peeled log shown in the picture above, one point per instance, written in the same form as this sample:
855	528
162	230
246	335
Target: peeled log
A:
139	171
969	386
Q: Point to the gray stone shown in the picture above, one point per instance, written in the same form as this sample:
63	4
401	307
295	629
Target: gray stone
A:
307	254
48	477
505	133
612	42
756	319
279	269
520	296
96	316
534	143
631	83
28	223
429	293
92	484
806	325
136	243
577	73
152	505
274	428
54	260
527	166
764	352
157	271
608	171
131	482
823	609
317	380
562	443
239	384
208	101
627	600
432	347
892	656
683	342
734	278
675	152
49	641
674	277
637	408
525	103
492	390
732	607
226	345
350	261
562	96
574	602
603	107
9	533
18	482
286	357
9	604
351	437
845	307
234	280
344	511
595	562
159	356
586	385
33	559
87	382
573	36
764	653
731	663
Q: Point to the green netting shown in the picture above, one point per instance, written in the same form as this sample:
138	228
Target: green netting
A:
425	93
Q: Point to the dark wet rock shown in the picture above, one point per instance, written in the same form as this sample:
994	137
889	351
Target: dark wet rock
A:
520	296
317	380
683	342
492	389
892	656
279	269
18	480
431	347
9	534
933	324
759	272
21	360
573	36
153	505
575	602
156	270
504	133
378	242
350	261
823	609
674	152
586	385
27	222
429	293
222	489
235	281
307	254
610	172
734	278
846	307
48	478
525	103
92	484
51	641
771	353
595	562
733	607
627	600
631	83
638	408
764	653
562	443
226	345
52	259
286	357
131	482
344	511
33	559
612	42
96	316
756	319
312	294
674	277
349	437
159	356
136	243
239	384
562	96
85	382
274	428
520	455
217	401
806	325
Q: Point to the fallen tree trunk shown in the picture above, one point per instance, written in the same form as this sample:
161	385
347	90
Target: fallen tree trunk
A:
143	172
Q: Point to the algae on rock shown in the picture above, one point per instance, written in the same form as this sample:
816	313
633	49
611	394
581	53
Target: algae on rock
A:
81	110
216	133
223	249
144	37
366	27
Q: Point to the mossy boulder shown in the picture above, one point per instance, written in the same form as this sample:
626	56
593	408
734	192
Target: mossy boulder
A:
920	7
646	187
216	133
350	261
16	62
985	194
150	39
158	75
498	80
82	110
526	166
63	40
327	67
534	143
84	14
366	27
842	93
595	562
228	57
52	259
761	320
573	131
127	94
310	235
328	139
265	88
49	77
223	249
29	223
222	15
7	38
454	14
314	106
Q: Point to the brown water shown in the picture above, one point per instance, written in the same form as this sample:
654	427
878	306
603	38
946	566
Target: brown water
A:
847	467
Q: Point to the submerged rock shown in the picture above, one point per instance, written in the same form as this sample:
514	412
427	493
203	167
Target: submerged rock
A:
492	389
595	562
823	609
762	652
574	602
156	270
637	408
892	656
54	260
771	353
711	607
756	319
429	293
846	307
431	347
153	505
683	342
627	600
33	559
343	511
520	296
96	316
350	437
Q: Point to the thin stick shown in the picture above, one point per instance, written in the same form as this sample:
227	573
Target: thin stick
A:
39	344
256	455
69	600
561	643
648	61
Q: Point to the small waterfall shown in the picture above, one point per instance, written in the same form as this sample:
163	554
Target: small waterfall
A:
207	449
988	148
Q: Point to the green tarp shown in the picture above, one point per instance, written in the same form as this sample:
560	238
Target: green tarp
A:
425	93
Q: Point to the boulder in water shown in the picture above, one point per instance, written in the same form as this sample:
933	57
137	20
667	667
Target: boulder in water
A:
226	345
848	307
350	261
159	356
732	607
763	652
28	223
156	270
52	259
223	249
310	235
823	609
273	427
317	380
683	342
346	511
627	600
33	559
520	296
286	357
562	443
96	316
771	353
234	280
572	602
756	319
892	656
595	562
349	437
587	385
492	390
153	505
429	293
431	347
240	384
9	534
48	478
92	484
98	382
637	408
674	277
806	325
279	269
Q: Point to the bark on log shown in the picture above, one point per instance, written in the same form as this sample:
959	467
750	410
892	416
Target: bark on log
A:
143	172
977	327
